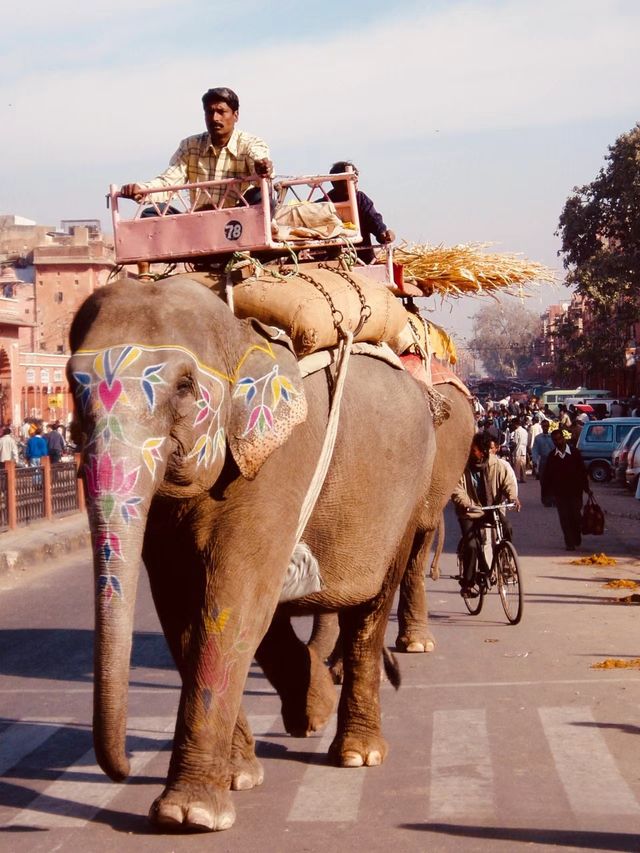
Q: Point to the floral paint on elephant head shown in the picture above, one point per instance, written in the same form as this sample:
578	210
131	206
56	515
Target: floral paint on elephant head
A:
119	387
117	384
263	395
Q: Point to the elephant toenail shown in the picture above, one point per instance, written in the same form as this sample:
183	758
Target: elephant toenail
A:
352	759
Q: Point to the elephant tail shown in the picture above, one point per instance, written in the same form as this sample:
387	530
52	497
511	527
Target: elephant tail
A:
391	667
435	563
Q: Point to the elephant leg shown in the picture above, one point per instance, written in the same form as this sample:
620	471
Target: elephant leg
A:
324	634
246	771
358	741
192	805
325	641
413	629
300	677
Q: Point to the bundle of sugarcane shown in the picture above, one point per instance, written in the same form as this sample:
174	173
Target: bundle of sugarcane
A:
466	269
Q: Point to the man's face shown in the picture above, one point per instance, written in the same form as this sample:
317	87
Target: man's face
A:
220	120
341	190
476	454
559	441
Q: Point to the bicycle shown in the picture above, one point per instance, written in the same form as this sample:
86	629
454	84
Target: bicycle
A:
504	570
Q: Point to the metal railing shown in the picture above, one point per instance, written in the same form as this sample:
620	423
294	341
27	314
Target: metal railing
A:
64	490
45	491
29	494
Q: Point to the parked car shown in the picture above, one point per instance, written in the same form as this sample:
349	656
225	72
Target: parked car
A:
597	442
621	454
632	470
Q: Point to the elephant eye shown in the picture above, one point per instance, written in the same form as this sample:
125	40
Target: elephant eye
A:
184	386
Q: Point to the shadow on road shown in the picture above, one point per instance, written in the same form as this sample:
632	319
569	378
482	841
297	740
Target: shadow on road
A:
555	837
66	654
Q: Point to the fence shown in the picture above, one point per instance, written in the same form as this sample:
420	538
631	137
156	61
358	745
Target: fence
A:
28	494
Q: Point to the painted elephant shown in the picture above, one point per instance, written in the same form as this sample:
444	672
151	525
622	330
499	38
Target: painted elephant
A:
200	440
453	440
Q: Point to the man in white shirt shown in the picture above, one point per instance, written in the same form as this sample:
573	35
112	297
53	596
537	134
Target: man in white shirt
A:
8	446
520	438
222	152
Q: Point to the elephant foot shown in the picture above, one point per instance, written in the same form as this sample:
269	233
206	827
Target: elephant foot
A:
246	773
416	642
358	750
306	714
198	809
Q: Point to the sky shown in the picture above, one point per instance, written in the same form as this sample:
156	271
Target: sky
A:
469	120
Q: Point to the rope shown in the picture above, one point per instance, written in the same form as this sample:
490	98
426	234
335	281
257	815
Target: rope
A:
328	445
342	362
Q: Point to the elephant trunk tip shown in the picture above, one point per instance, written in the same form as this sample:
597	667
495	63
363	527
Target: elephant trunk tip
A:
113	761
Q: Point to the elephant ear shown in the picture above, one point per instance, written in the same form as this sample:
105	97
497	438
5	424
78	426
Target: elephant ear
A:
268	401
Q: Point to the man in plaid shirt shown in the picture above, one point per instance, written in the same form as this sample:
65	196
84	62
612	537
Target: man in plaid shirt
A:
222	152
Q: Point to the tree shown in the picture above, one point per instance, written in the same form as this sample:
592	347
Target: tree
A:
600	226
600	231
503	337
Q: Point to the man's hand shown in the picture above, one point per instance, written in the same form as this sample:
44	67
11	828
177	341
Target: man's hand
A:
518	504
264	168
133	191
388	236
474	511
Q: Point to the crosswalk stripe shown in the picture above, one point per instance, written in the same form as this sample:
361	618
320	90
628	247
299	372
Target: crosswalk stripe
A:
20	739
586	768
329	794
461	772
261	724
69	802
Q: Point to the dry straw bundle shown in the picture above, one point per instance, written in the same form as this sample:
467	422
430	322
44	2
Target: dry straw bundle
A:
466	269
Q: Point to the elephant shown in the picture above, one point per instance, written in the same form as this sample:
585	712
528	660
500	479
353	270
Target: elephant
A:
453	440
199	441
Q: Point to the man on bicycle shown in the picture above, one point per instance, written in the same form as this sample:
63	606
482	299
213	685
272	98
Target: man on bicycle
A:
484	482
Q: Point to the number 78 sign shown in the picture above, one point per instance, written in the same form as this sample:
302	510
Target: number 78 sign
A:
233	230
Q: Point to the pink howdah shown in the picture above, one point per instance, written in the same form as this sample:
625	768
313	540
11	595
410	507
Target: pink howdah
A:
213	217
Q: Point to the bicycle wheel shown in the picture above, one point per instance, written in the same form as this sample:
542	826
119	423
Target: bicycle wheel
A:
507	570
473	605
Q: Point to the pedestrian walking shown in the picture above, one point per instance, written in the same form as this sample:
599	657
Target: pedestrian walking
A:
8	447
36	448
565	479
55	443
520	439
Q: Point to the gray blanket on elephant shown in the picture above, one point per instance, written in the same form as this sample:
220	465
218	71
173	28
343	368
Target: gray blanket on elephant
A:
436	402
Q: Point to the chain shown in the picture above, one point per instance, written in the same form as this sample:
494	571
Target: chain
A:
337	315
365	310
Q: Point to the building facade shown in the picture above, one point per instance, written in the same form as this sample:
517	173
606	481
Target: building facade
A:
45	275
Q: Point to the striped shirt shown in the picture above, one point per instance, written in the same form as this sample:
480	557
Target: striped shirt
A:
197	160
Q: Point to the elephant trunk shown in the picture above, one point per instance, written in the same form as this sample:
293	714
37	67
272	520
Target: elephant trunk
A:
117	567
118	498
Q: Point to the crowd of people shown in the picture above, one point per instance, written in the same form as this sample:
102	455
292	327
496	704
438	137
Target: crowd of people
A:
531	438
32	440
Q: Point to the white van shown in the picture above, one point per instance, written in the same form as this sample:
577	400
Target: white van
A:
600	406
555	396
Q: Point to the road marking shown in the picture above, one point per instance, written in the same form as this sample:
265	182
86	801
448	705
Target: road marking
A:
328	794
596	681
21	739
261	724
586	768
71	802
461	772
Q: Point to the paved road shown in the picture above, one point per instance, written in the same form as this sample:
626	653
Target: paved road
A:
502	739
